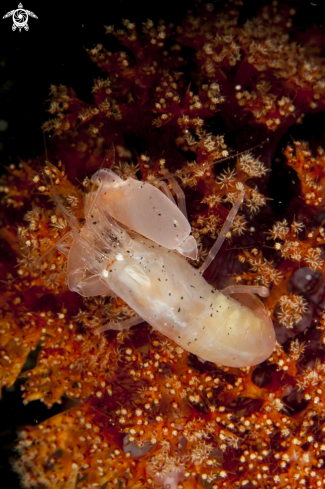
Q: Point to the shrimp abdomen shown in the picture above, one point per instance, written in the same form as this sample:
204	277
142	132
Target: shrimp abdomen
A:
176	300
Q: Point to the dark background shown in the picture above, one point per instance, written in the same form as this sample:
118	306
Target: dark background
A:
53	52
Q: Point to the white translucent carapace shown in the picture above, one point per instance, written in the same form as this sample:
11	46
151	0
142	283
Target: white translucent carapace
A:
131	246
143	208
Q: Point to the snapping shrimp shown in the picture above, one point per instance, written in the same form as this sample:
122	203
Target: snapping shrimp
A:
133	245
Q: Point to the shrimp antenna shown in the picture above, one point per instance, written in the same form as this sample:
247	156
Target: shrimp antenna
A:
44	141
209	165
72	219
112	147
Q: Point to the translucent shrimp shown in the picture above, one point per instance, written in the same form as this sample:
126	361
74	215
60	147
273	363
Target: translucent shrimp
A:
131	247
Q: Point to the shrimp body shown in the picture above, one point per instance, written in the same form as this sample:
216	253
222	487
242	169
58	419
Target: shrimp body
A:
175	299
109	256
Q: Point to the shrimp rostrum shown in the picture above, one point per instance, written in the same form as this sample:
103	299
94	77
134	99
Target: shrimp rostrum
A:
133	245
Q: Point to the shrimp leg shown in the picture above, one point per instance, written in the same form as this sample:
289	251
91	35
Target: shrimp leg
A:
179	193
246	289
120	326
188	247
59	245
225	228
167	192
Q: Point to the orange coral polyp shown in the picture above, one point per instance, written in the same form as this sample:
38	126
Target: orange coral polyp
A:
145	412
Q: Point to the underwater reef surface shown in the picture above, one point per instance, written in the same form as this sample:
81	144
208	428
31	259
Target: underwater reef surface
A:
218	101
